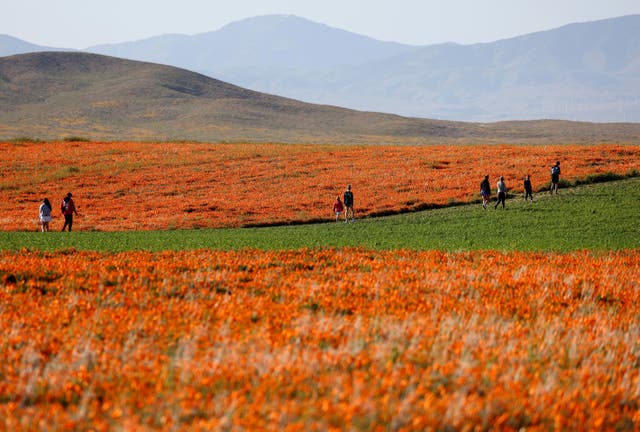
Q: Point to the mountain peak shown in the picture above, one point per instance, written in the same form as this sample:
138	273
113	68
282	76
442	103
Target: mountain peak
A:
10	45
271	19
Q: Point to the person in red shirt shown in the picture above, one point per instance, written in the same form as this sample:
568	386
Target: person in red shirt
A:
68	209
338	208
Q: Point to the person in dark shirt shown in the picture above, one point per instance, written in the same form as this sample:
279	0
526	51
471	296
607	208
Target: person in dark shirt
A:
485	191
528	191
555	177
348	204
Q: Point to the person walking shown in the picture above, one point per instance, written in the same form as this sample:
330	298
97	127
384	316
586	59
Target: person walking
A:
45	214
68	209
338	208
502	192
485	191
348	204
555	178
528	191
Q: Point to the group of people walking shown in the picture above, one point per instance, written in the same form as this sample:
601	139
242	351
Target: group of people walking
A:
67	208
346	204
501	186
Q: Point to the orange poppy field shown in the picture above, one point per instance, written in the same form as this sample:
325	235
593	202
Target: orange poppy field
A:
310	339
148	186
342	339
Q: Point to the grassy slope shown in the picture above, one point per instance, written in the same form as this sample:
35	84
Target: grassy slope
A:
56	95
600	217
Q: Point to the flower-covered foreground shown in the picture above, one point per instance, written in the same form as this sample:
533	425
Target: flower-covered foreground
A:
147	186
320	339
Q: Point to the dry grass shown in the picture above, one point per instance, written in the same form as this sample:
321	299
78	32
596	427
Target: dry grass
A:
55	95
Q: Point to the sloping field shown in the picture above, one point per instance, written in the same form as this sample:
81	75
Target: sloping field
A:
151	186
319	339
597	217
54	95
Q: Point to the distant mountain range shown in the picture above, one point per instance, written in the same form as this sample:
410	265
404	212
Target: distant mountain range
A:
587	71
10	45
53	95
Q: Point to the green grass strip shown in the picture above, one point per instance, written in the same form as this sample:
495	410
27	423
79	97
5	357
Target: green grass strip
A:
603	216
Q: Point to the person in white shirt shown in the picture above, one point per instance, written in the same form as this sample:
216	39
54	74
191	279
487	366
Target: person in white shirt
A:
45	214
502	192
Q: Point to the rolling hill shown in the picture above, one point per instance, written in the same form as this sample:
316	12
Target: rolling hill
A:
60	94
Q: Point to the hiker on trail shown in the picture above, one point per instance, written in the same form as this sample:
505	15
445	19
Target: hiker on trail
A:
502	192
348	204
528	191
338	208
68	209
555	178
485	191
45	215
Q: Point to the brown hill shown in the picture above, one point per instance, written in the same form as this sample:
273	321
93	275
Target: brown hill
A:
52	95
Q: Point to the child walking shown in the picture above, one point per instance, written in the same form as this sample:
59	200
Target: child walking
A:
338	208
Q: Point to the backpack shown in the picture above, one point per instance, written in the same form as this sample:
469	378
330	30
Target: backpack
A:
63	206
555	170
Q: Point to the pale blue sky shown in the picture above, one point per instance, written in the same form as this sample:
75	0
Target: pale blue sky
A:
82	23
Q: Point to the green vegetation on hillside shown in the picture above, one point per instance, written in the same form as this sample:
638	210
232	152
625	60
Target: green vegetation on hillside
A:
598	216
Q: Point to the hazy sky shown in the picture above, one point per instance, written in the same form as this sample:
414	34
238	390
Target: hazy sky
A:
82	23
